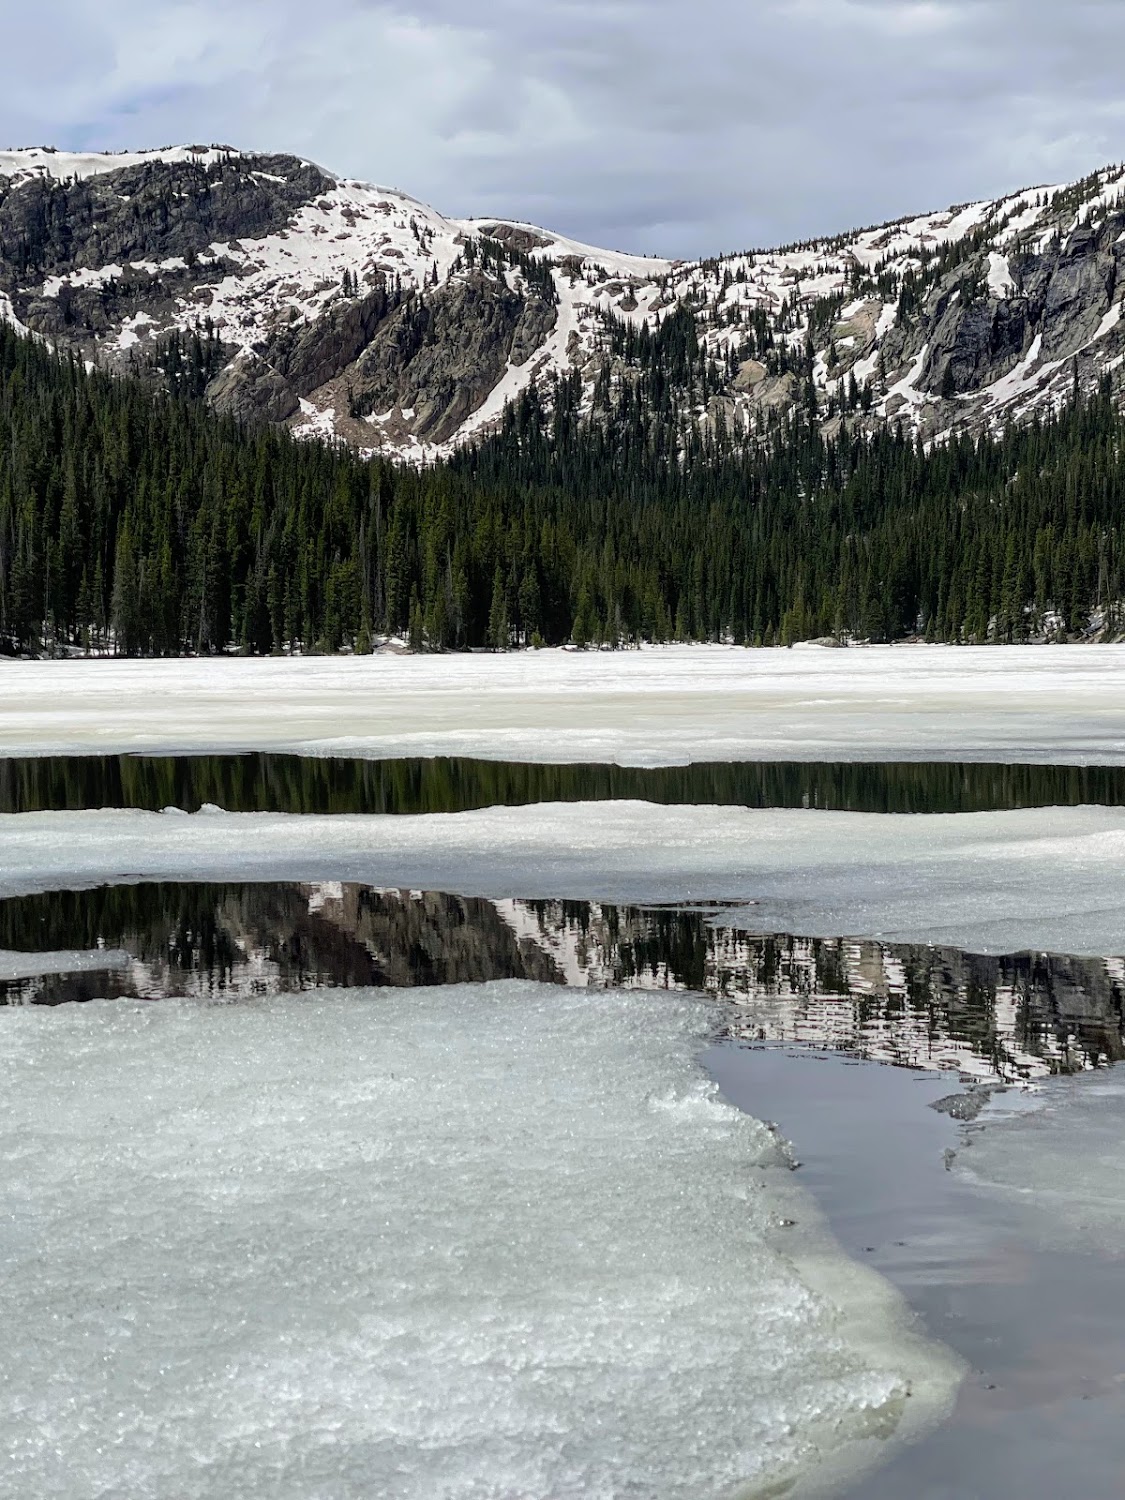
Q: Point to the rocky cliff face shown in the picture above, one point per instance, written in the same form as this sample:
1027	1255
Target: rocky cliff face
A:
353	311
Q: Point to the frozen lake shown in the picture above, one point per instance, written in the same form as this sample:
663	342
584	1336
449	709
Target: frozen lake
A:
660	706
491	1232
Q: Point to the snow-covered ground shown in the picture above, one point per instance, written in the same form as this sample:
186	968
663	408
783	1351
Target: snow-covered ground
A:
659	706
483	1242
1049	879
45	161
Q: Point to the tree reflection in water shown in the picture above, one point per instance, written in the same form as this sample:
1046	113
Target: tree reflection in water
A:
1013	1017
262	782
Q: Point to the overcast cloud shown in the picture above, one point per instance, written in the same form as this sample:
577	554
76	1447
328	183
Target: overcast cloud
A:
681	127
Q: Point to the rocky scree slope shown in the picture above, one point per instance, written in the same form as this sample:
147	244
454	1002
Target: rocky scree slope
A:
352	311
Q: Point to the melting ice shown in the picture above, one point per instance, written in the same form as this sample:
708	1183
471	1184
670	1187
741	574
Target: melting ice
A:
1039	878
1055	1155
659	706
489	1241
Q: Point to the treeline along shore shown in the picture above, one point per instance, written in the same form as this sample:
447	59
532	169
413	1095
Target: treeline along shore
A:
142	523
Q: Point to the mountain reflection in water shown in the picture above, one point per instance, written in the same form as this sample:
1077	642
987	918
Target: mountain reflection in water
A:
1011	1018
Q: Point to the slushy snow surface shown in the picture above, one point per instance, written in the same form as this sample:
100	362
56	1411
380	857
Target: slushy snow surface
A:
661	706
493	1242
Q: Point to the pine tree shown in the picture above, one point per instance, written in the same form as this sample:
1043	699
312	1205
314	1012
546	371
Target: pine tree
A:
498	635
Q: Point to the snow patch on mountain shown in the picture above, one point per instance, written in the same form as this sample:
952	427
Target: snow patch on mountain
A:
550	246
8	315
45	161
1000	282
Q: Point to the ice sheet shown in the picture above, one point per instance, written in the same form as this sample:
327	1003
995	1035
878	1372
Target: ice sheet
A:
493	1242
661	706
31	965
1049	879
1056	1157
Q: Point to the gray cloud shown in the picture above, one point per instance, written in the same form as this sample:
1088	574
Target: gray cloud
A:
654	125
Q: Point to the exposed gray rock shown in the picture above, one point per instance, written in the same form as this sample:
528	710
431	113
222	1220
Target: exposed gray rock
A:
443	356
251	390
515	236
269	383
79	313
438	356
151	212
751	372
1079	292
1062	296
974	342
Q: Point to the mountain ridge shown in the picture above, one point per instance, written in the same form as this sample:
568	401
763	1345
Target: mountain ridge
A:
352	311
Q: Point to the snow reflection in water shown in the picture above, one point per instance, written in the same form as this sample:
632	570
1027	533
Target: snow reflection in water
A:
1011	1018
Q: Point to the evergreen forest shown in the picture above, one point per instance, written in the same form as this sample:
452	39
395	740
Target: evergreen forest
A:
140	522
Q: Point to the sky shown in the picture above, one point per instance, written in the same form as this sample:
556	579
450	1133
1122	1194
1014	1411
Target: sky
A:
670	127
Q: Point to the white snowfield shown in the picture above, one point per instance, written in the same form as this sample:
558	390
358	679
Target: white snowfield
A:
1045	879
658	706
478	1242
44	161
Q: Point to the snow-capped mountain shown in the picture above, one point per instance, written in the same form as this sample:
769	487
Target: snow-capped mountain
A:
350	310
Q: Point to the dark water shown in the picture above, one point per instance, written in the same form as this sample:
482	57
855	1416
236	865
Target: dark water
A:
298	784
1039	1414
1011	1018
